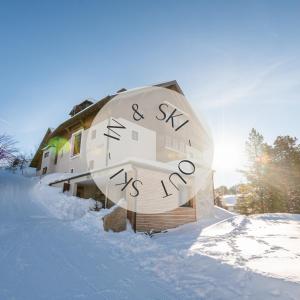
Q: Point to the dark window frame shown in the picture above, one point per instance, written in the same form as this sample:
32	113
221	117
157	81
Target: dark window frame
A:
44	171
76	143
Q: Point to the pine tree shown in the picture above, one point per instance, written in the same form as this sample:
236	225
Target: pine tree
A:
286	172
245	203
258	193
273	175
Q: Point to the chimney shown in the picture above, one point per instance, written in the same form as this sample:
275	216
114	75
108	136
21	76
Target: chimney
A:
79	107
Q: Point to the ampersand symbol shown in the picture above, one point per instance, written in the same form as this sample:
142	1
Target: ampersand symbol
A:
137	116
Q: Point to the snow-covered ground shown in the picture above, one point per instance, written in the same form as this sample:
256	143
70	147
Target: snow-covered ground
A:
53	247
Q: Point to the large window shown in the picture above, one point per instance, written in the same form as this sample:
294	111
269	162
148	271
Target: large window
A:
175	144
76	143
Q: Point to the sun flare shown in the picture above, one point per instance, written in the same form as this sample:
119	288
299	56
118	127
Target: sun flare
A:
229	155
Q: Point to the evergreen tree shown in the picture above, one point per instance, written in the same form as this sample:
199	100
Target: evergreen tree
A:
258	193
286	173
273	175
245	202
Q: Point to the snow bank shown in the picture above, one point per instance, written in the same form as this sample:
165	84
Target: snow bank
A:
60	205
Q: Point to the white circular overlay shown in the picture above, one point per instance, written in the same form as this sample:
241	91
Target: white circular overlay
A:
149	152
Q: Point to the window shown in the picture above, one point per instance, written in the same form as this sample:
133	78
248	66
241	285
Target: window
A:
66	187
134	135
175	144
91	165
168	141
183	196
46	154
94	133
44	170
76	144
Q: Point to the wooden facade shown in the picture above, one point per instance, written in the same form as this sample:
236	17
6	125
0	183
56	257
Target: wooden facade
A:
163	221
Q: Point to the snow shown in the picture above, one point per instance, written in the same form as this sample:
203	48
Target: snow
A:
58	204
53	247
267	244
229	200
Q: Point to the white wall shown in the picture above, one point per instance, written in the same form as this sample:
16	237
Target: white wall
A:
97	149
65	161
48	162
143	148
106	151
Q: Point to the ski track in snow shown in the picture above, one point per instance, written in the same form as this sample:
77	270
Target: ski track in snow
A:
57	251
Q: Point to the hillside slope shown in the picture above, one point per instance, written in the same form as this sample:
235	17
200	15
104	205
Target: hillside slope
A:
53	247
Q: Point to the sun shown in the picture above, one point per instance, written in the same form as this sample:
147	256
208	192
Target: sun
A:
229	155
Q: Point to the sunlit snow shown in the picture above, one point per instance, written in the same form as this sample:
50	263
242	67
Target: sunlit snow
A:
53	247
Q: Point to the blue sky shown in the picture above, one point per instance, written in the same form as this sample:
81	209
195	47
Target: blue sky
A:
237	61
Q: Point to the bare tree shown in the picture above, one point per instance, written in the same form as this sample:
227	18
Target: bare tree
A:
23	162
8	150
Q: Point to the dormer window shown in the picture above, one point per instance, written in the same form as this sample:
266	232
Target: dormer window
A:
79	107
